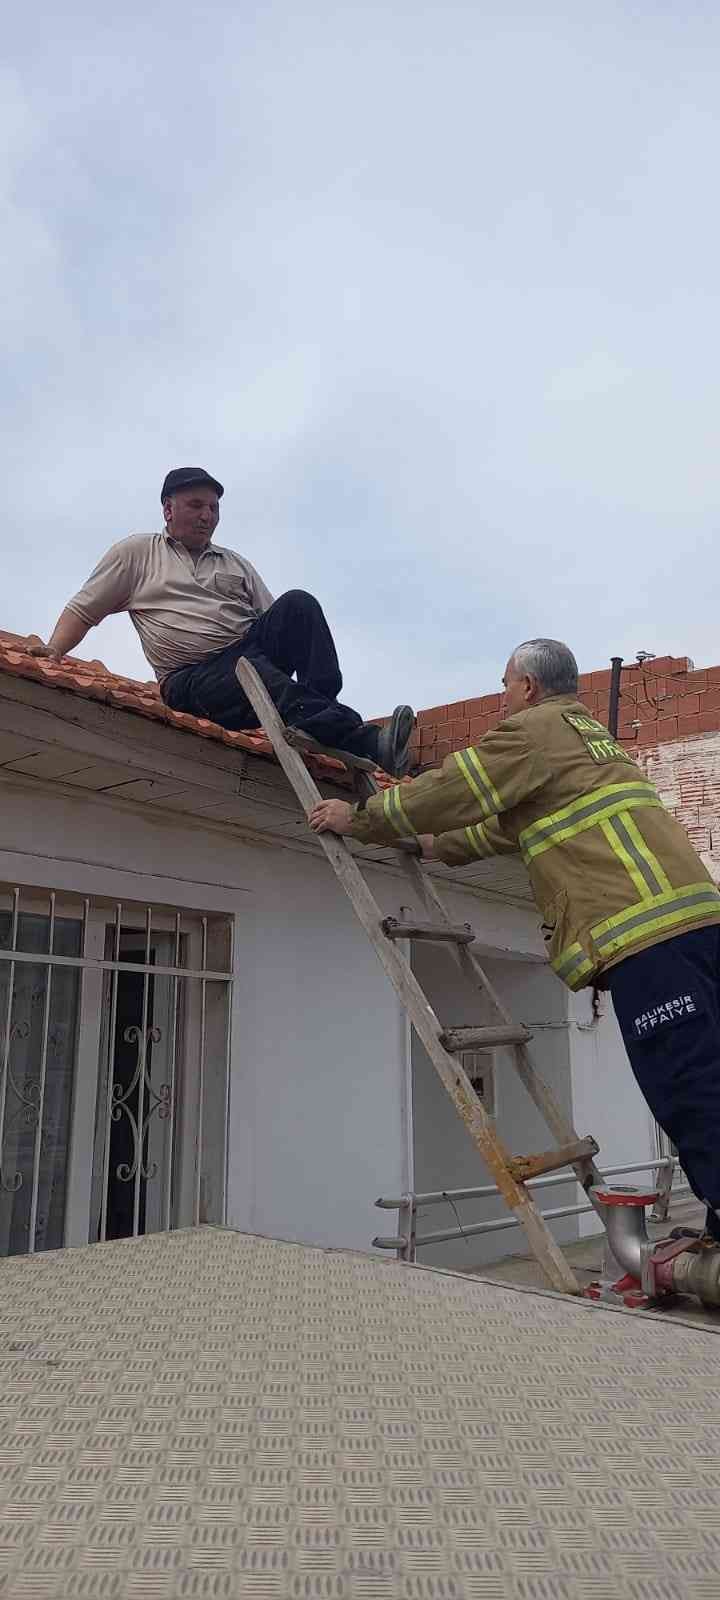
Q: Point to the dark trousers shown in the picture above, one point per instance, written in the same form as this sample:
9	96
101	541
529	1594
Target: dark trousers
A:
667	1002
292	649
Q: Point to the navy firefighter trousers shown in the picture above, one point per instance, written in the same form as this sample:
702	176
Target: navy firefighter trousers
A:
667	1002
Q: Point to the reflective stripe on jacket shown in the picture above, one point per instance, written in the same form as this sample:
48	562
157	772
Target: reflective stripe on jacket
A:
611	871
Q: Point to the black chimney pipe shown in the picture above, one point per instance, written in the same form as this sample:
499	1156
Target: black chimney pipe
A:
614	711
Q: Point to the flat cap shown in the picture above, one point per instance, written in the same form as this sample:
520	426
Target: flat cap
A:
185	477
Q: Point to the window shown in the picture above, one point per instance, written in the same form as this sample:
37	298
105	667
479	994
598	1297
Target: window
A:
114	1062
479	1066
40	1021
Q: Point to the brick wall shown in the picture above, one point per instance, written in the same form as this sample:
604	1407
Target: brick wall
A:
665	699
686	773
669	716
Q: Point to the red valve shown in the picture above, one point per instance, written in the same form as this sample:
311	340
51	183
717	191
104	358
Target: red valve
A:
626	1197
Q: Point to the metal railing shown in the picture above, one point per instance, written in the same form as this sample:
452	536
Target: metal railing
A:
407	1241
114	1053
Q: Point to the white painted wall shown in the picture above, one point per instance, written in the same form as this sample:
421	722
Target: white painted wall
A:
319	1119
445	1156
318	1109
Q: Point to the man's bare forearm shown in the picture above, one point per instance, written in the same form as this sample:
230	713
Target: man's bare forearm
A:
68	632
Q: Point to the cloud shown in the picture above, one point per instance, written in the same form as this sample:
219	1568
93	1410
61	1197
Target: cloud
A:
433	291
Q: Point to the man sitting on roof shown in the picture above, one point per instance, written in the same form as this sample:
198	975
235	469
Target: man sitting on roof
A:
626	902
198	608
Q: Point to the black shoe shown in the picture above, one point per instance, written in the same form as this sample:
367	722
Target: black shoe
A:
393	754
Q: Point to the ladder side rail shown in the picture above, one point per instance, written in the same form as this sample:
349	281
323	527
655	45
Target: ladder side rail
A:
427	1026
539	1091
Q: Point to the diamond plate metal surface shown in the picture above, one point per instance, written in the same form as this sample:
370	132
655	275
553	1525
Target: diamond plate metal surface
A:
211	1416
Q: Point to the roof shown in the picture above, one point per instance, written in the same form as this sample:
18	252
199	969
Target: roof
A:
663	699
210	1414
94	681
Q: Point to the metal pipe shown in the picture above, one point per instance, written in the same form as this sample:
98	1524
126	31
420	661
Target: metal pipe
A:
626	1228
435	1197
400	1241
665	1177
407	1223
494	1227
614	709
698	1273
627	1233
641	1166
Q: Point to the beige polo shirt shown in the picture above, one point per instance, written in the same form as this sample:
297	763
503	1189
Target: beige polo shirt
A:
183	609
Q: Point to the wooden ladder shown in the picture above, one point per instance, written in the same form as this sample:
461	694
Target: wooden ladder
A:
442	1045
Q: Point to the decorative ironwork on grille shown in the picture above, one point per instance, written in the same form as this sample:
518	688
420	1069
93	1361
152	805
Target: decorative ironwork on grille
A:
114	1068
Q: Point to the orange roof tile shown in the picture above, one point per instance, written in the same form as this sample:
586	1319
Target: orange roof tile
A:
94	681
661	700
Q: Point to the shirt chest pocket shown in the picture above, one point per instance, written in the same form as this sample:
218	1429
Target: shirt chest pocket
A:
232	586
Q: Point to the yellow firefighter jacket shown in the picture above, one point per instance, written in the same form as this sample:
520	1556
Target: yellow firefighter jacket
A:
612	872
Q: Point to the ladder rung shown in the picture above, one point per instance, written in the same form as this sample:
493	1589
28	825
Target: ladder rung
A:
455	1039
524	1167
417	1005
437	932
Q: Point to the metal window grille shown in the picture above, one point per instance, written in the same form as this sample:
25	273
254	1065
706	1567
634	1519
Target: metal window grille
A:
114	1068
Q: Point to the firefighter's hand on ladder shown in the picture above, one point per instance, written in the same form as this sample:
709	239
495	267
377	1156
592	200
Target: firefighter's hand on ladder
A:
331	816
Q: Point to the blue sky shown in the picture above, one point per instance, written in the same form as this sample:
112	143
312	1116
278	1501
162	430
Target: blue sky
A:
432	289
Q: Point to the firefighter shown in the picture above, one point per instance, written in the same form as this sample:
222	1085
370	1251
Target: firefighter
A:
626	903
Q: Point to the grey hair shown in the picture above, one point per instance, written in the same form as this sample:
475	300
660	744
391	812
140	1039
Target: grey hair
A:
551	662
